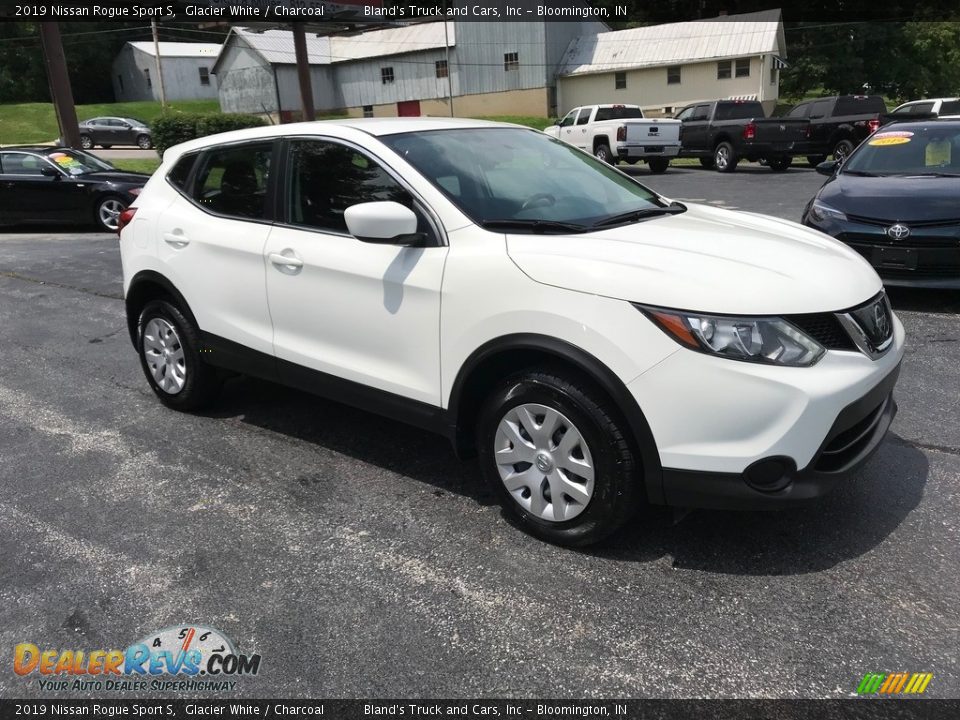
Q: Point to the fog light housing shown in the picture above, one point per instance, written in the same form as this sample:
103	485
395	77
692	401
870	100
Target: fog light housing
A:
770	474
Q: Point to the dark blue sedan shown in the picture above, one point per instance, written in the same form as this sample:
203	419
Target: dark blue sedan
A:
896	201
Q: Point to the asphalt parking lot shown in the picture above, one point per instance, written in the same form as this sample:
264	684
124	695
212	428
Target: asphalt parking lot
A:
361	559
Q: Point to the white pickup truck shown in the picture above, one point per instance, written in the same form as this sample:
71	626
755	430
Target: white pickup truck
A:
620	132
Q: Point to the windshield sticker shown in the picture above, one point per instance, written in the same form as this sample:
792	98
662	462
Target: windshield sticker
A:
937	153
67	162
886	141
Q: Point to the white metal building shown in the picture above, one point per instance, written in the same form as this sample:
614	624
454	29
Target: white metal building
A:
664	67
186	71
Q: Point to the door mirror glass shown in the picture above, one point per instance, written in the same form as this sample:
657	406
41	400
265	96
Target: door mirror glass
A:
49	171
386	223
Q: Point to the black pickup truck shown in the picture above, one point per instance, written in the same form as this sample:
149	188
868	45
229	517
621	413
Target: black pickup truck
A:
723	132
838	124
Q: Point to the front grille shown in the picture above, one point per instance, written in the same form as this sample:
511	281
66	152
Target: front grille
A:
916	240
848	445
825	329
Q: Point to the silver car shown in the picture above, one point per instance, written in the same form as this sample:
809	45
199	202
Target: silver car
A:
109	131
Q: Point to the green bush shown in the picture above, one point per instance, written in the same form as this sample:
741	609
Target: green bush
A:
172	129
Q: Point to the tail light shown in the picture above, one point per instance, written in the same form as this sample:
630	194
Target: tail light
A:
874	124
622	133
125	217
750	131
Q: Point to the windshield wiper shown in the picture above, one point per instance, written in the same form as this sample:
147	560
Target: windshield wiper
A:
537	226
860	173
638	215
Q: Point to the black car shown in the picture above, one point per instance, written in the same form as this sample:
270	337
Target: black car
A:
109	131
47	185
896	201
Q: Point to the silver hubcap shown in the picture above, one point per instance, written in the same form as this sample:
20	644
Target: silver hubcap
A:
544	462
164	355
841	152
722	157
144	143
85	143
109	213
602	154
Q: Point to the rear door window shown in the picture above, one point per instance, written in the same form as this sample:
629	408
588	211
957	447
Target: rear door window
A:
859	105
739	111
233	180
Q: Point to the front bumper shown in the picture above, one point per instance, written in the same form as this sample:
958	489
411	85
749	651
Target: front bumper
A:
742	435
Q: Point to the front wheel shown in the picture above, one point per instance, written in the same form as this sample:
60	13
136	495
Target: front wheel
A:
86	142
658	165
169	348
725	158
779	164
144	142
603	153
556	454
107	213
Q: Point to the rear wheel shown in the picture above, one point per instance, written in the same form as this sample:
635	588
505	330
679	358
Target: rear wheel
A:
658	165
86	142
144	142
169	346
602	152
707	162
779	164
724	158
842	149
814	160
557	456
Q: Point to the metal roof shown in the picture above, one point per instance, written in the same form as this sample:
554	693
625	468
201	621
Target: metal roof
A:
179	49
723	37
276	46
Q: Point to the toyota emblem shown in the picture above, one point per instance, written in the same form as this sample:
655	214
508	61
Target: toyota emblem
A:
898	232
783	128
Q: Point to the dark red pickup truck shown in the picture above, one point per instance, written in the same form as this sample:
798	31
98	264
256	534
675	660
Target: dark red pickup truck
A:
838	124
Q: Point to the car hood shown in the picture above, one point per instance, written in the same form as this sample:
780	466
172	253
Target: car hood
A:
128	178
896	199
705	259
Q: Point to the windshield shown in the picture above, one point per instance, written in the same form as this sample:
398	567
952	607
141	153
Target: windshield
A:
909	150
74	162
507	174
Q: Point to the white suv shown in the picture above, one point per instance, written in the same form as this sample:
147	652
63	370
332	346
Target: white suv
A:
597	345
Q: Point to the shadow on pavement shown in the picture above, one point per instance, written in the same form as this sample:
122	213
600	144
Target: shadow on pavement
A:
855	518
924	300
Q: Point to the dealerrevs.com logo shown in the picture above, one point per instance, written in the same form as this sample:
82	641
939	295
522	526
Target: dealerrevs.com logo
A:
181	658
898	683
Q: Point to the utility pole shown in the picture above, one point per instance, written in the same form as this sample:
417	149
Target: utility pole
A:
446	42
156	50
303	71
59	81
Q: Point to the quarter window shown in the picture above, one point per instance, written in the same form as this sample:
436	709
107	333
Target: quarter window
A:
326	178
386	75
233	180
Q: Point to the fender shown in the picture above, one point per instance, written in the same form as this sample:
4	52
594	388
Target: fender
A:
153	278
590	366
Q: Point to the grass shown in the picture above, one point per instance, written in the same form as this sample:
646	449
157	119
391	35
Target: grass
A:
147	165
37	122
538	123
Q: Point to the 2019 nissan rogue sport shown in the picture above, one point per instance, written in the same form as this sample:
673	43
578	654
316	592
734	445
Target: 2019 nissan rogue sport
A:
597	345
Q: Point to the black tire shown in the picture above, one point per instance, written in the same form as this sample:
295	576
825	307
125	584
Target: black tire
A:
842	149
707	162
617	490
202	383
725	158
144	142
814	160
658	165
602	152
86	142
779	164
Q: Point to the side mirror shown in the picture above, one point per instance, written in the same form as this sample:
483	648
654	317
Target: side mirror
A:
828	167
49	171
383	223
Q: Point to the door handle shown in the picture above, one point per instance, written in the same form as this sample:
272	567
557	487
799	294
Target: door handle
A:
286	263
176	239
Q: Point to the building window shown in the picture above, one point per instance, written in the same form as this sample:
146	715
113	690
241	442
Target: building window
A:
120	81
668	111
673	75
511	61
441	67
368	110
723	70
386	75
773	76
743	67
204	76
620	81
146	74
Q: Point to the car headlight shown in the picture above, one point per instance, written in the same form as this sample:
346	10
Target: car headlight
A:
769	340
822	211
